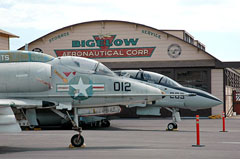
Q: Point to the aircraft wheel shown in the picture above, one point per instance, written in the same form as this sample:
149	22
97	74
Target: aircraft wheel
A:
175	125
105	123
171	126
77	141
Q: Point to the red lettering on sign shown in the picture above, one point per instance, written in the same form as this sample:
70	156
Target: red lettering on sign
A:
108	53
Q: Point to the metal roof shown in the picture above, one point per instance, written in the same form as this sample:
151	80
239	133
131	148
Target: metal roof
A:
8	34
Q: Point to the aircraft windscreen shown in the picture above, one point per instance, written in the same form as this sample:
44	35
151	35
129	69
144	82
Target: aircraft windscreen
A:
80	64
169	82
156	78
152	78
129	73
148	76
103	70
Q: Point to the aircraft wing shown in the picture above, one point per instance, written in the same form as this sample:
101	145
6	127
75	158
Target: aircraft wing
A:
28	103
8	122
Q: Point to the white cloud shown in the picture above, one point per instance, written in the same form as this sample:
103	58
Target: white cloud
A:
199	15
211	17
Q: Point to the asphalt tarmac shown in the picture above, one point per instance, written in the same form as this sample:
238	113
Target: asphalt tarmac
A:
129	139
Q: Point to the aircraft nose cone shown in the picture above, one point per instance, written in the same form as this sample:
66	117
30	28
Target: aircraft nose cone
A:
152	93
209	100
214	101
202	100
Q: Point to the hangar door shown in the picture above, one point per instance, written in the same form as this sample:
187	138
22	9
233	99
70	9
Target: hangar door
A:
236	102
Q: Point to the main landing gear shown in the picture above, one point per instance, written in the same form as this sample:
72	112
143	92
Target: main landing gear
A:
77	140
175	118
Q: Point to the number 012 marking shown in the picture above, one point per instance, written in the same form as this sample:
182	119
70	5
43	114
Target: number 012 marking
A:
122	86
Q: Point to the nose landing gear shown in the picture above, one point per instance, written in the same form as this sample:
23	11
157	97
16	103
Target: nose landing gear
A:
172	126
175	118
77	140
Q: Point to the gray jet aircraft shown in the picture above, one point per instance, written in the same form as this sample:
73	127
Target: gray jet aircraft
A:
197	99
38	81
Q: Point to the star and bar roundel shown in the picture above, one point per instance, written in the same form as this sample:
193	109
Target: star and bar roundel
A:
80	87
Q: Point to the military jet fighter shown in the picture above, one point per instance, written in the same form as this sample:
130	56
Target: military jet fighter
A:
38	81
196	100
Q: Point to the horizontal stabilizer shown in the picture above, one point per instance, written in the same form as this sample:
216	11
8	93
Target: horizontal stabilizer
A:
8	122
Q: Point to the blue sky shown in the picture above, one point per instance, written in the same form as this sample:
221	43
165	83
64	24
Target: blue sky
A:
215	23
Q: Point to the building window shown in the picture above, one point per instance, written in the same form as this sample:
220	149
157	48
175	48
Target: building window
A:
232	79
188	39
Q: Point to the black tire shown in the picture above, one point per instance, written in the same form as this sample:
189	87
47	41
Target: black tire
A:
170	126
175	125
105	123
76	141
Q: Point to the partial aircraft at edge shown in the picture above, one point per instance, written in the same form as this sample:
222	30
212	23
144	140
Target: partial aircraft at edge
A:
38	81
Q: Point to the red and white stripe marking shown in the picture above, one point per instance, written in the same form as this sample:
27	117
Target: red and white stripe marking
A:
98	87
65	88
62	88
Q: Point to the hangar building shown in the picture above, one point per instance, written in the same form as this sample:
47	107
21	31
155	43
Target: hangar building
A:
127	45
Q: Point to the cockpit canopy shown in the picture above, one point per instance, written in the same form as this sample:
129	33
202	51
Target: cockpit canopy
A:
150	77
85	65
